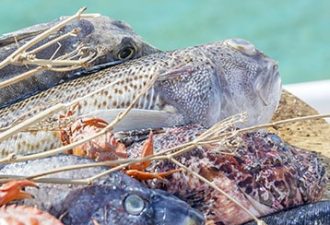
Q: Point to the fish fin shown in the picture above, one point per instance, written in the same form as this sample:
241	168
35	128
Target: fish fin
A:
32	31
95	68
11	38
176	73
138	118
131	136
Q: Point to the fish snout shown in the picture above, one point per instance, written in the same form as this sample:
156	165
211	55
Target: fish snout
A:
170	210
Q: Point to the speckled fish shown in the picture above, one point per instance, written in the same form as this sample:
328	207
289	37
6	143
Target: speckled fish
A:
258	169
201	84
114	40
116	199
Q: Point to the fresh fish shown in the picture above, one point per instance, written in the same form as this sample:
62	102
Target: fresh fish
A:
116	199
114	40
258	169
310	214
201	84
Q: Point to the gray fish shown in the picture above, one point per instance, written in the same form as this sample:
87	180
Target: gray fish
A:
311	214
201	84
116	199
115	41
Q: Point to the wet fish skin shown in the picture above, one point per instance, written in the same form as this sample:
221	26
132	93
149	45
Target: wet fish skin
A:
107	35
203	84
104	201
315	213
260	170
107	207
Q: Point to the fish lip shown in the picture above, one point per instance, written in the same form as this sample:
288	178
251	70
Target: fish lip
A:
268	78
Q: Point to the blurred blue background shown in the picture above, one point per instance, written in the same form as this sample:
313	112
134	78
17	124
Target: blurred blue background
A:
295	33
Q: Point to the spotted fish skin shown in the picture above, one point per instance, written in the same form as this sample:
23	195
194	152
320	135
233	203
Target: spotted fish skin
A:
201	84
208	78
107	36
105	201
262	172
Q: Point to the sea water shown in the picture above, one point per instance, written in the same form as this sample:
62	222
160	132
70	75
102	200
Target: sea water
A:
296	33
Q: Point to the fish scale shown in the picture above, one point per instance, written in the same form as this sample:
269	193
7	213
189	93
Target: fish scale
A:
201	84
134	80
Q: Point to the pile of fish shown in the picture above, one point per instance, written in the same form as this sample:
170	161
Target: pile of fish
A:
194	88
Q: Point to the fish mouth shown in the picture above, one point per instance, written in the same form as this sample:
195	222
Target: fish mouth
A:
268	84
170	210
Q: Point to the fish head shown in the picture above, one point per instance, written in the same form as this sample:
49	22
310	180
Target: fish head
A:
249	80
115	40
134	205
171	210
221	79
109	40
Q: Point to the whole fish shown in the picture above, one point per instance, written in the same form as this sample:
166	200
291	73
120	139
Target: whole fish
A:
114	41
258	169
116	199
201	84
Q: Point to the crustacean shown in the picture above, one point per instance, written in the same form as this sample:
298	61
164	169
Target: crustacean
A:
21	215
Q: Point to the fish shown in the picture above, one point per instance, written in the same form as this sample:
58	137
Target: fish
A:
257	168
114	40
313	213
115	199
201	84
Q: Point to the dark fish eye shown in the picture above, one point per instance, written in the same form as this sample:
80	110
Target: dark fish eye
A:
134	204
126	53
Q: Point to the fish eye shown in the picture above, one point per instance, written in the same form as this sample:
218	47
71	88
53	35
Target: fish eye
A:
126	53
134	204
241	45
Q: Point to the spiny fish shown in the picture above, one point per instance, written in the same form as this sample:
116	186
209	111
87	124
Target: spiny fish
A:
114	40
201	84
116	199
258	169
